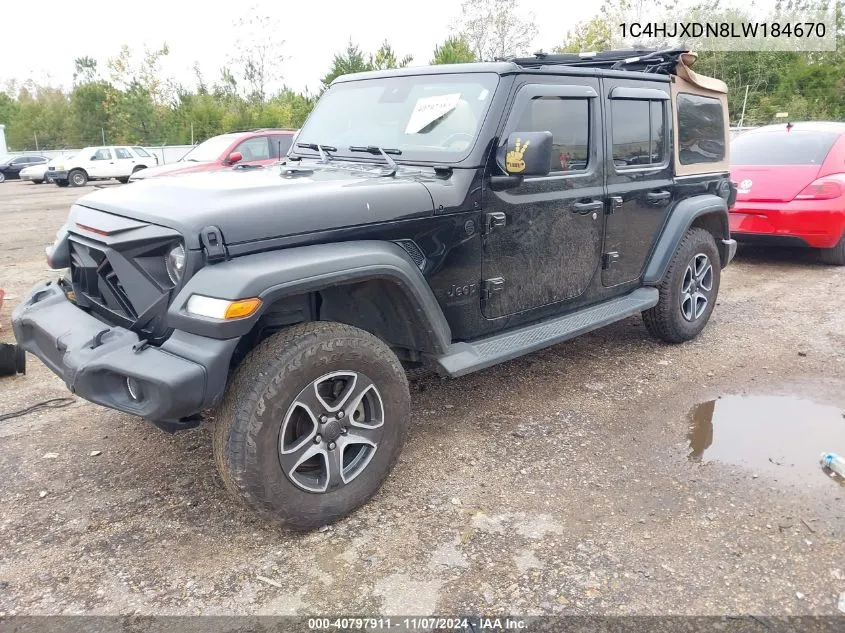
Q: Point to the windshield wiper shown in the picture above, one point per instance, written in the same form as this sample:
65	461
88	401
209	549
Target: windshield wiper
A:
375	150
320	149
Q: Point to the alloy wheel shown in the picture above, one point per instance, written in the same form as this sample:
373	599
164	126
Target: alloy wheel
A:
331	431
696	286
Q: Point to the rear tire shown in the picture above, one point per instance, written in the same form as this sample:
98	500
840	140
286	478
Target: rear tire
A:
287	452
2	177
688	291
123	180
835	256
37	182
77	178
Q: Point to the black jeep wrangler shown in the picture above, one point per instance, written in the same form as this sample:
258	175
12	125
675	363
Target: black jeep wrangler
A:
457	216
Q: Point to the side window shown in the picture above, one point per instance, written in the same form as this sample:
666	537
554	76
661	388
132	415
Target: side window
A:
639	132
568	119
122	153
255	148
102	154
279	145
141	152
701	129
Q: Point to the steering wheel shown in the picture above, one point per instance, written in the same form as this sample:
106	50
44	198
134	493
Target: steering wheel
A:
456	137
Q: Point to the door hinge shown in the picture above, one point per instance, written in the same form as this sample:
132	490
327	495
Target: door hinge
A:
608	259
212	242
491	286
614	203
493	220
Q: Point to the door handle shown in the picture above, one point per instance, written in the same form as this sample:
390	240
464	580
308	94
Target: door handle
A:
585	207
658	196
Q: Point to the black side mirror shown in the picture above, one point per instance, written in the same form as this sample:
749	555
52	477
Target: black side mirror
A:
528	153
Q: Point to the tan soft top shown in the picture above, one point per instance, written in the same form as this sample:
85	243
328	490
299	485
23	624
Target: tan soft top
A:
684	70
686	81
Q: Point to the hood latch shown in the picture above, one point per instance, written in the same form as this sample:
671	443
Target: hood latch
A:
212	242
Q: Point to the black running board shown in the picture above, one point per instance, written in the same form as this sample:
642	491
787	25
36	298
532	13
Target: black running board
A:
464	358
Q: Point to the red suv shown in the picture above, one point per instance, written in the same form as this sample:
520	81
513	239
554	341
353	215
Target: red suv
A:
791	187
253	147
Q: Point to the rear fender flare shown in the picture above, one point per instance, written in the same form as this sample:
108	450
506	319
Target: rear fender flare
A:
709	208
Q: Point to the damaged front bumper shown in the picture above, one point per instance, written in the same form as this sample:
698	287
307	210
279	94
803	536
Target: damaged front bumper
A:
113	367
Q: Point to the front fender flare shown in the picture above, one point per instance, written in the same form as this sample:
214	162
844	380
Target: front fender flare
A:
274	275
680	220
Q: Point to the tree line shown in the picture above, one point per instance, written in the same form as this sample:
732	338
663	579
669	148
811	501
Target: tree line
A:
129	102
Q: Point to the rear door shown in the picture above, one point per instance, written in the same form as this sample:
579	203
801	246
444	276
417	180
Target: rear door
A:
124	162
280	145
640	186
542	242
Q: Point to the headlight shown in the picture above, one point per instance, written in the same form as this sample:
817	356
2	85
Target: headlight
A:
175	261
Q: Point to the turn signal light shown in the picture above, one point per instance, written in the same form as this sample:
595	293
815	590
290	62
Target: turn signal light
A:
821	189
241	309
222	309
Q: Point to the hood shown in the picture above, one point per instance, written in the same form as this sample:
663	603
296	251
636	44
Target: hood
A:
255	204
172	169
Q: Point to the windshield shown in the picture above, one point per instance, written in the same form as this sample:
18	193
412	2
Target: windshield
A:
211	149
426	117
782	148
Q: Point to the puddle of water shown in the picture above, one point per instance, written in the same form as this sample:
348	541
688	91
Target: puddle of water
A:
777	436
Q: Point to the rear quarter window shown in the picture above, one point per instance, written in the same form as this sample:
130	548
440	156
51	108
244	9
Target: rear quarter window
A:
782	148
141	152
701	129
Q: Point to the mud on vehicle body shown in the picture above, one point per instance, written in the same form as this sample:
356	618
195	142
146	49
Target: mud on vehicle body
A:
456	216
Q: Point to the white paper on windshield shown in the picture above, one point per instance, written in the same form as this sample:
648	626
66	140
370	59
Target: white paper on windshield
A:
429	109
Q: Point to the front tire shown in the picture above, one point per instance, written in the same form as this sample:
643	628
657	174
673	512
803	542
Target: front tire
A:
2	177
688	291
835	256
37	182
77	178
61	183
312	422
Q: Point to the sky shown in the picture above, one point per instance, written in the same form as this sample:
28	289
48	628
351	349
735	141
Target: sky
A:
204	32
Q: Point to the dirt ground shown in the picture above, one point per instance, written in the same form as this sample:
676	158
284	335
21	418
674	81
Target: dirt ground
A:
559	483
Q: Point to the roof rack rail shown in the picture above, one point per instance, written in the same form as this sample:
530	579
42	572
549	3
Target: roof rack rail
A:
656	61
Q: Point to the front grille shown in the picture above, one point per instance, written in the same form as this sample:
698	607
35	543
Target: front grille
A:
96	284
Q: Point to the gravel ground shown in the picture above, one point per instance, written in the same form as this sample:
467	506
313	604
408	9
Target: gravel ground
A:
559	483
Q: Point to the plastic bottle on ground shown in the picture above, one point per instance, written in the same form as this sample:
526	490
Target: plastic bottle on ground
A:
833	462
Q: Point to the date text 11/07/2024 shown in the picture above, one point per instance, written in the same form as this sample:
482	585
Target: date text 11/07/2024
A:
743	30
464	624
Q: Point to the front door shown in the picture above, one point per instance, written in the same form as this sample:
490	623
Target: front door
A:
640	186
101	164
542	242
255	151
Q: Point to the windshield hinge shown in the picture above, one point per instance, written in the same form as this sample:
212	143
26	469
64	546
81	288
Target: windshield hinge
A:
212	243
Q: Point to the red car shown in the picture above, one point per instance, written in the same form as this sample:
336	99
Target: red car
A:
254	147
791	187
